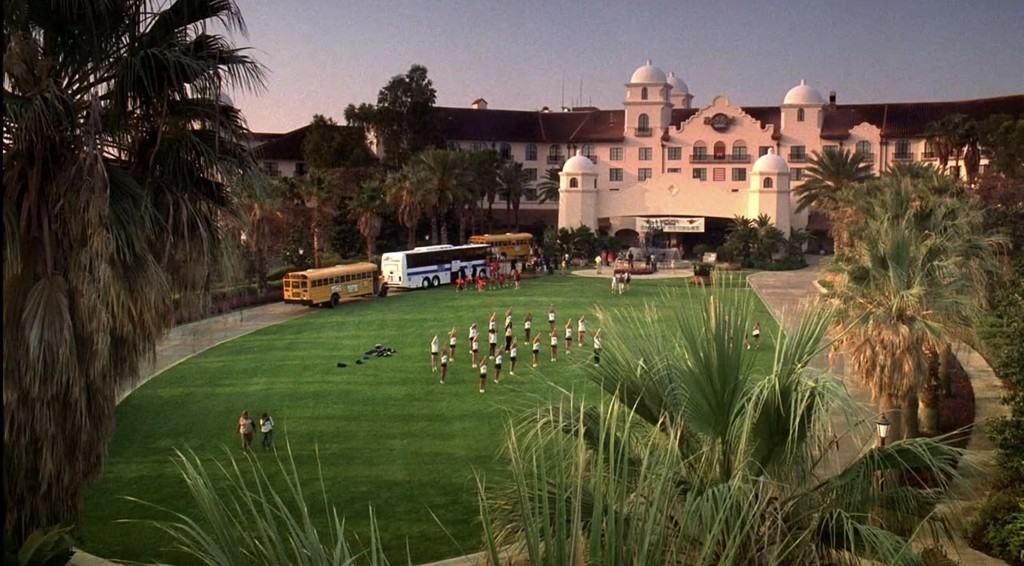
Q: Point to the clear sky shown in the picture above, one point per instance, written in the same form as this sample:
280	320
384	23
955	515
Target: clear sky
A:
324	54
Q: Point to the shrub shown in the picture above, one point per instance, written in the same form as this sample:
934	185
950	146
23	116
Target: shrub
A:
700	249
998	529
702	269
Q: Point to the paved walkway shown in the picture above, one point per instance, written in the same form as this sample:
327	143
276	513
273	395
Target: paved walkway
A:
787	294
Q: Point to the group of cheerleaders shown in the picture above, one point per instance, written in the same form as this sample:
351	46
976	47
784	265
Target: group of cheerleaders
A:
496	281
439	360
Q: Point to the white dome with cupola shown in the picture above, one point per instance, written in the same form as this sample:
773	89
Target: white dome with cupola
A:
678	86
648	74
579	164
770	163
803	95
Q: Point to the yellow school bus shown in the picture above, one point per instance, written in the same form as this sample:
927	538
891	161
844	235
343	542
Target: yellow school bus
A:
329	285
512	245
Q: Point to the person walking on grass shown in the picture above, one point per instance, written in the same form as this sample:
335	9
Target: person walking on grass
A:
497	366
568	336
597	263
492	341
551	317
536	351
581	330
245	430
597	347
483	374
445	358
452	340
513	353
554	344
435	350
267	428
527	325
474	349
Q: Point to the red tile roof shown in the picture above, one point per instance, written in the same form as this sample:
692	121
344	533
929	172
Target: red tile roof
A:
905	119
286	146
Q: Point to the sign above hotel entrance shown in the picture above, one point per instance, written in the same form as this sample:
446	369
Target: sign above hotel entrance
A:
672	224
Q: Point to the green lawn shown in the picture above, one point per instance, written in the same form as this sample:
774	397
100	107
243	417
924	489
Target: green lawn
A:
388	433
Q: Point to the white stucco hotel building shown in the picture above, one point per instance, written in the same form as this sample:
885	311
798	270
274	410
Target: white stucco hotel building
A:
663	157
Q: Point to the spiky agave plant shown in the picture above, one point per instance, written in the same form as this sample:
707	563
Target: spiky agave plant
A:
695	456
242	515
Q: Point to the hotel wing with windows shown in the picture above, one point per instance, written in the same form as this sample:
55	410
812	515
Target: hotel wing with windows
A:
661	161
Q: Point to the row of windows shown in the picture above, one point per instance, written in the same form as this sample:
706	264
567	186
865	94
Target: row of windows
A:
719	150
739	174
328	281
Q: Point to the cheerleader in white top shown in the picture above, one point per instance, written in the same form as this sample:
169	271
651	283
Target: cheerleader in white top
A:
508	337
492	341
508	318
474	348
581	330
444	365
435	350
483	374
597	347
568	336
513	353
527	326
497	366
536	350
452	339
554	344
492	323
551	317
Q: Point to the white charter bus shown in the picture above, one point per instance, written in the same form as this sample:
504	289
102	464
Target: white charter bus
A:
430	266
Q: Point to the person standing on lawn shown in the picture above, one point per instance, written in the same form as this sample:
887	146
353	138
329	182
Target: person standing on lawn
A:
536	351
452	339
597	347
497	366
474	348
568	336
492	341
508	319
267	428
445	357
517	277
483	374
492	323
554	344
597	263
245	430
756	334
513	353
551	317
473	332
527	325
581	330
508	337
435	350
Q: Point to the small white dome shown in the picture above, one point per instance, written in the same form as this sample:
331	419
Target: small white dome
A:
678	86
803	95
770	164
648	74
579	165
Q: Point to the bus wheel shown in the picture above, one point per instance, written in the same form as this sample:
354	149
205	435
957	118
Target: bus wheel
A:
425	283
435	282
334	300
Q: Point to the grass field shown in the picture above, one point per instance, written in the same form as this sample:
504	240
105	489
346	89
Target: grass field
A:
388	433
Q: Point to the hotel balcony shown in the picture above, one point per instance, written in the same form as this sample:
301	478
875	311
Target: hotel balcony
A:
555	160
797	158
643	132
903	157
730	158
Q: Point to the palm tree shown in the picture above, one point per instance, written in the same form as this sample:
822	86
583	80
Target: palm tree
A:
259	205
827	178
445	172
484	166
946	138
911	281
406	190
367	209
547	189
697	456
116	137
513	182
317	191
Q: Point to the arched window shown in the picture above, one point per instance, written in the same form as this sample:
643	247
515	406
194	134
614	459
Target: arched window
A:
574	183
767	183
700	151
506	151
555	154
719	150
643	122
588	151
531	152
739	150
799	114
864	147
643	93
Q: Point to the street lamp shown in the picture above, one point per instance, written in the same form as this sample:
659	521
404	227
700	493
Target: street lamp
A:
882	426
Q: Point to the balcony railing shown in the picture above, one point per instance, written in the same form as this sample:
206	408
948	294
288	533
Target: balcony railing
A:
555	159
797	157
903	157
729	158
643	132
